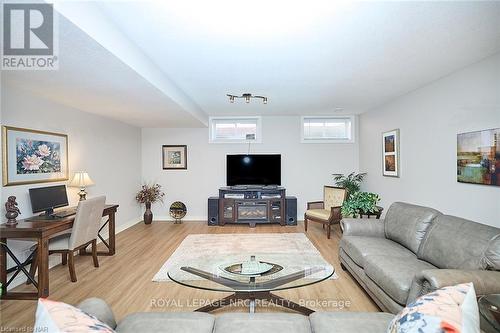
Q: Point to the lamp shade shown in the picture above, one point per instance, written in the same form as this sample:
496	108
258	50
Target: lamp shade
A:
81	179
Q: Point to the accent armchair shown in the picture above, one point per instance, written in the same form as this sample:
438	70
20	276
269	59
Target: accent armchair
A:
326	212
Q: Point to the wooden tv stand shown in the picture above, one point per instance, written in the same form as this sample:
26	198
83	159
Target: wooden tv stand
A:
252	205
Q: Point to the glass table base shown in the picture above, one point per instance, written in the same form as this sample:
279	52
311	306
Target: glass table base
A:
252	298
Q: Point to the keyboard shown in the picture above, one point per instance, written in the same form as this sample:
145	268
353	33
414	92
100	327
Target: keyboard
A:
65	213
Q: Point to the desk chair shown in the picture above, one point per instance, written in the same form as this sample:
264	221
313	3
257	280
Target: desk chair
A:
327	211
84	232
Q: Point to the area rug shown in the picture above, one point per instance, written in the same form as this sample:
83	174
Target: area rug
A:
207	252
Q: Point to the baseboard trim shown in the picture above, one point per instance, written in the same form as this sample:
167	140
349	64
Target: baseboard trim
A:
165	218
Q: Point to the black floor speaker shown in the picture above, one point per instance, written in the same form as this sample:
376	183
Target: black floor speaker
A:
291	210
213	211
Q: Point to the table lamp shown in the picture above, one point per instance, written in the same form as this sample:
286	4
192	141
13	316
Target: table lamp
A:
81	179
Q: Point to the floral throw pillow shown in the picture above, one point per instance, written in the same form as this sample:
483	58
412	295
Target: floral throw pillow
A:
54	316
446	310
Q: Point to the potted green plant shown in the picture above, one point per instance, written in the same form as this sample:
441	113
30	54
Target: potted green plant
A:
147	195
351	182
360	203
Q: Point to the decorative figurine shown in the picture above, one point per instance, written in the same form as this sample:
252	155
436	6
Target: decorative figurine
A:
12	211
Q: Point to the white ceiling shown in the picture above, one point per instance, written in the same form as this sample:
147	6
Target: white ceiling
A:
92	79
307	57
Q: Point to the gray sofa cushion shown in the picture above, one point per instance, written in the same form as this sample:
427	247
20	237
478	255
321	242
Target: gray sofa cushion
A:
407	224
350	322
394	275
358	247
167	322
99	309
384	301
453	242
357	271
262	323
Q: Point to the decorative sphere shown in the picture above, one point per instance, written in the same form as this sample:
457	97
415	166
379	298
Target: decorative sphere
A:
178	210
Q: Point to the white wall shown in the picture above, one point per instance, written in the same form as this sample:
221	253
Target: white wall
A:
305	167
429	120
107	149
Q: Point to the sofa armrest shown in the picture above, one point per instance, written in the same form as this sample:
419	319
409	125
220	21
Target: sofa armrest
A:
99	309
363	227
485	282
316	205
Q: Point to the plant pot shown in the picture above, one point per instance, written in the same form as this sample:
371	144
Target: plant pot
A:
148	214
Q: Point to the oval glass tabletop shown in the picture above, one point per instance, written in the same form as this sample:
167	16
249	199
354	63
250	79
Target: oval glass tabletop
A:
260	273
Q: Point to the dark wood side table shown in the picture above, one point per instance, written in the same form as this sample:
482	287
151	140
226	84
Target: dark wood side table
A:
42	231
375	214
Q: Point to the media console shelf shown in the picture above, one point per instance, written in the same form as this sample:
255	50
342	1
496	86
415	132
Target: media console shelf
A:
252	205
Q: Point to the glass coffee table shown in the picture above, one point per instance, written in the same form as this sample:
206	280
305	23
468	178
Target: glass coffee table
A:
250	280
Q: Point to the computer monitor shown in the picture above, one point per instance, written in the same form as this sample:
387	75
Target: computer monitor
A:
48	198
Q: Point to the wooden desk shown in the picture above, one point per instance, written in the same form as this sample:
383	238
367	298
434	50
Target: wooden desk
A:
42	231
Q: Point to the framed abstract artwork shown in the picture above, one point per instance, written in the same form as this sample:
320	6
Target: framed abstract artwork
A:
174	157
390	149
478	157
32	156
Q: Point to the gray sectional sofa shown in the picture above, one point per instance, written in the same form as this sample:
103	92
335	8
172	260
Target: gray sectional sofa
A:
415	250
197	322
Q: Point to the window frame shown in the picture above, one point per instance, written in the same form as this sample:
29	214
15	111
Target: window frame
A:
211	126
303	139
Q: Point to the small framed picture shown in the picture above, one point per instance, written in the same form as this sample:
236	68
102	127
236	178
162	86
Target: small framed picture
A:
390	158
32	156
174	157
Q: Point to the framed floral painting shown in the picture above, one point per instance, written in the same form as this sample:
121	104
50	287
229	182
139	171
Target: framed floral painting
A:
390	155
31	156
174	157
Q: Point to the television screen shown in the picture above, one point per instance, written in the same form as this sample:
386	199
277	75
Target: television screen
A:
253	170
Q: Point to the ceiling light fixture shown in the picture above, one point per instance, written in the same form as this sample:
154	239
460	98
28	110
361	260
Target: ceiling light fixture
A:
247	98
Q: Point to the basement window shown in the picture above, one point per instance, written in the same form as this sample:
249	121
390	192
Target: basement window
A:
325	129
235	129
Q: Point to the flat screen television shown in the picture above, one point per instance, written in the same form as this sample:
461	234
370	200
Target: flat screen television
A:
253	169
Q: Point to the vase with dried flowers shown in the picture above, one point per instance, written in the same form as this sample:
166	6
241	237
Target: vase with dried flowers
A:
147	195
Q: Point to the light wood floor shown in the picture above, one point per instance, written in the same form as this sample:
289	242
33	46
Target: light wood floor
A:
124	280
